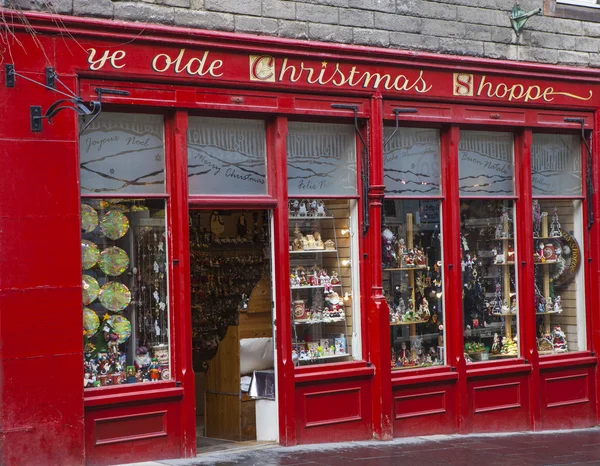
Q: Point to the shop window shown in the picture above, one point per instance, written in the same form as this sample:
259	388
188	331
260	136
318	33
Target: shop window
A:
557	238
323	243
124	256
226	156
487	240
412	247
123	153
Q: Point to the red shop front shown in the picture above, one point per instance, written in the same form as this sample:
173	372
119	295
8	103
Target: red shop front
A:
274	240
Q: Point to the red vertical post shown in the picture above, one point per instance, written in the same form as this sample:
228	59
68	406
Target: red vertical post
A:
453	331
524	266
277	168
593	311
378	314
179	244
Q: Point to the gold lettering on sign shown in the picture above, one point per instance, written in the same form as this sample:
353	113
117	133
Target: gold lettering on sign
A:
463	84
111	57
162	62
262	68
521	92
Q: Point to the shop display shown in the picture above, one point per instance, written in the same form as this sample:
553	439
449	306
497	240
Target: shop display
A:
89	218
124	289
490	305
229	255
412	283
319	279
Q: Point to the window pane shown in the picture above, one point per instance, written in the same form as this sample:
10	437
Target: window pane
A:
411	163
559	286
125	294
556	164
226	156
412	282
486	163
323	249
123	153
321	159
490	306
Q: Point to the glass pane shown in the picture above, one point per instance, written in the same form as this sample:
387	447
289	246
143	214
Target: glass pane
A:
125	294
486	163
321	159
559	286
322	249
411	162
412	282
490	305
556	164
226	156
123	153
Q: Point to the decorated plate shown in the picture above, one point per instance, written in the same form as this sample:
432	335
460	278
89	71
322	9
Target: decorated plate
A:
121	327
89	254
113	261
91	322
114	224
115	296
89	218
90	289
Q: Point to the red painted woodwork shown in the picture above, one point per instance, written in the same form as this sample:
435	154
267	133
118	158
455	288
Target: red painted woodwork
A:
43	417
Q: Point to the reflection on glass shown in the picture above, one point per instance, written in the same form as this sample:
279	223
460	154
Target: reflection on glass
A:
412	282
486	163
490	306
559	299
556	164
321	159
226	156
125	295
123	153
411	163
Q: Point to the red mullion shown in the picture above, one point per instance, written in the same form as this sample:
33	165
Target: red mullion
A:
525	266
179	268
594	288
286	385
453	323
587	245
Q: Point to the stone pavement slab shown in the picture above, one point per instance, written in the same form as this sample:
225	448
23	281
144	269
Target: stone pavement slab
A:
550	448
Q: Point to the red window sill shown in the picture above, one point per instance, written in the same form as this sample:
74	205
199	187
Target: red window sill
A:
342	370
424	375
556	361
103	396
485	369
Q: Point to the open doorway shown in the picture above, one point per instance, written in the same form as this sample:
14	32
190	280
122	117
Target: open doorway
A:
232	327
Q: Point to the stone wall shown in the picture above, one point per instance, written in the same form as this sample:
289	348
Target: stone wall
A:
461	27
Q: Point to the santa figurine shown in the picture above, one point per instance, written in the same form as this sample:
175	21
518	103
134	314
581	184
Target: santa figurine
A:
325	281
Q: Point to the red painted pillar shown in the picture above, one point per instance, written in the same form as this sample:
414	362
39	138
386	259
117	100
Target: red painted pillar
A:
593	317
378	313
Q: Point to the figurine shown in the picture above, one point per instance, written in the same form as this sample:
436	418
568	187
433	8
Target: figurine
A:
321	209
334	278
559	340
325	281
242	228
424	309
294	207
313	208
513	305
154	370
302	211
389	255
217	226
558	305
142	358
496	346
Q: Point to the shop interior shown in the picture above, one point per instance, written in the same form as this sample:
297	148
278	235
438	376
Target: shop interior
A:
232	327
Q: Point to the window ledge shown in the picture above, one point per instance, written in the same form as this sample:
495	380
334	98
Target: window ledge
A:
141	392
430	375
567	360
590	13
333	371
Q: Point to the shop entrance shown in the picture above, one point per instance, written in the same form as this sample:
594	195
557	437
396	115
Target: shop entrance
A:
232	327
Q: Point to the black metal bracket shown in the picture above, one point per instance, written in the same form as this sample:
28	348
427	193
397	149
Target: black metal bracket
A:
10	75
50	78
365	165
397	112
35	118
98	103
75	104
589	176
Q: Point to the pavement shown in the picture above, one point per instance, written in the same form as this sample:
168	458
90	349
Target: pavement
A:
572	447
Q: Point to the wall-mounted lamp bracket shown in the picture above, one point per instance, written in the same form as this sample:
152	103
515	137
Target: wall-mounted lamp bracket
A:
397	112
589	177
10	75
518	17
50	77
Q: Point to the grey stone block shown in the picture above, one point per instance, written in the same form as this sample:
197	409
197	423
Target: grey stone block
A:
504	35
204	20
340	3
51	6
555	25
359	18
293	29
317	13
388	6
573	58
243	7
371	37
435	27
394	22
177	3
426	9
330	33
97	8
478	32
534	54
461	46
197	4
482	16
256	25
135	11
407	41
595	60
500	51
279	9
591	29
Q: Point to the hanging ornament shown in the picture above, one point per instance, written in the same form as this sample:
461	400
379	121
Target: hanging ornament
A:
89	218
91	322
113	261
89	254
90	289
115	296
114	225
555	225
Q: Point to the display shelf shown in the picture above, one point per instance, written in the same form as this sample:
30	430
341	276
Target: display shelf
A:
547	262
321	358
555	238
312	287
547	313
333	320
505	263
296	218
397	269
414	322
312	251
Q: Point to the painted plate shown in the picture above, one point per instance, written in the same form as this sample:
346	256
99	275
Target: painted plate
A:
91	322
90	289
114	224
113	261
89	254
121	327
115	296
89	218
